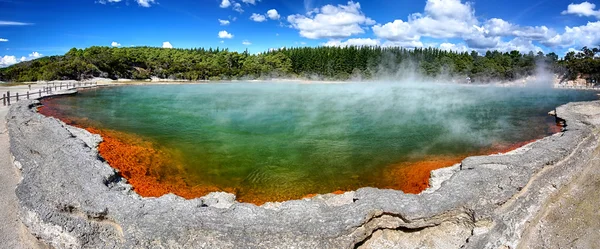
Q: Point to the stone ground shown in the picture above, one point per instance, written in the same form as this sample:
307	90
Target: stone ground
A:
571	219
13	234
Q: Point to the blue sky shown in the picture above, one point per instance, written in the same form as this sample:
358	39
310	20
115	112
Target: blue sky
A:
34	28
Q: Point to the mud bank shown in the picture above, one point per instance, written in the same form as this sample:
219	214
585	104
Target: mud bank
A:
70	198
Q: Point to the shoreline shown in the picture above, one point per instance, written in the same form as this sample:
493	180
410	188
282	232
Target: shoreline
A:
364	210
136	159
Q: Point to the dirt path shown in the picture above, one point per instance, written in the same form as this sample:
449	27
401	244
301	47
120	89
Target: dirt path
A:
13	234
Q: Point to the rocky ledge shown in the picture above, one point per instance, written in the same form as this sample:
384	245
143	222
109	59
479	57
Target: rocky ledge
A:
70	198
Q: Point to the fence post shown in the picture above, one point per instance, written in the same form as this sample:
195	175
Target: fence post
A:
17	96
8	97
4	99
40	93
27	94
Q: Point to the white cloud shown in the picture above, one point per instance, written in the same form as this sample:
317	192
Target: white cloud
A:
455	19
441	19
479	41
522	45
352	42
224	22
397	30
258	17
7	60
334	22
404	44
10	23
444	19
115	44
167	45
453	47
225	4
108	1
3	40
499	27
585	35
35	55
273	14
225	35
253	2
247	43
582	9
238	7
145	3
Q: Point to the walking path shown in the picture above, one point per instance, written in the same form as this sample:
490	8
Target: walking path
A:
13	234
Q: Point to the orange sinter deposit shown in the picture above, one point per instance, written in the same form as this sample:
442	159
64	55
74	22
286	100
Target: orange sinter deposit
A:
413	177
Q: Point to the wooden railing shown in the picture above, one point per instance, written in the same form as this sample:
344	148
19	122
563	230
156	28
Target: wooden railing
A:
46	90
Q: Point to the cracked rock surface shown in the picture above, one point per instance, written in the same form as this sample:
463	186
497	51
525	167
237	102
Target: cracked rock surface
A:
70	198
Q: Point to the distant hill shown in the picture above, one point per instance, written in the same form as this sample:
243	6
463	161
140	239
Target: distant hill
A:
332	63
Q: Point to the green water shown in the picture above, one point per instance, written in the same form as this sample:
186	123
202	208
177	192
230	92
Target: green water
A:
316	138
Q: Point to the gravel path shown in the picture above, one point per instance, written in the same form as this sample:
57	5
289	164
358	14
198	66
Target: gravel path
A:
13	234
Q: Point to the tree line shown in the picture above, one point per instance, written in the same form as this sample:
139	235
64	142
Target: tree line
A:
334	63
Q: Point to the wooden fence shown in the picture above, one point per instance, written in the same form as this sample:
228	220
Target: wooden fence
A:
45	91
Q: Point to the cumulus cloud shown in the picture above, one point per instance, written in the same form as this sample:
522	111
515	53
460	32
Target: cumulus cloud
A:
224	22
115	44
3	40
273	14
498	27
585	35
238	7
225	4
520	44
247	43
225	35
397	30
145	3
8	60
582	9
455	19
258	17
167	45
360	42
404	44
453	47
447	24
253	2
441	19
35	55
333	22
